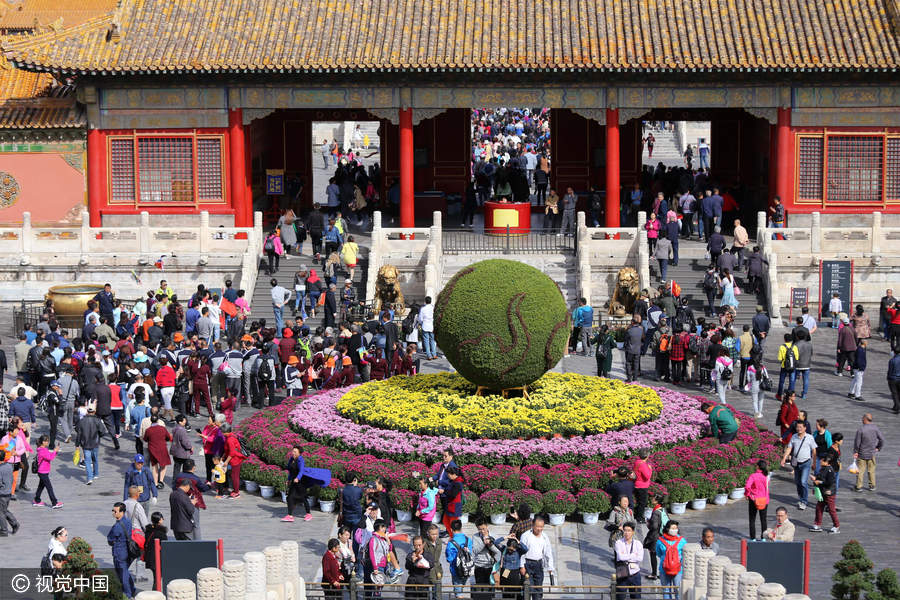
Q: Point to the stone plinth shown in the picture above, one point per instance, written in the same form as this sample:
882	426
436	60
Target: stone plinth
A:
255	575
701	563
731	581
181	589
748	583
770	591
150	595
715	575
274	573
210	584
294	588
234	580
796	597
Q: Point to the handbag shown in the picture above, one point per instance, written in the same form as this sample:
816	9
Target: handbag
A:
622	570
34	464
321	300
76	456
737	290
761	503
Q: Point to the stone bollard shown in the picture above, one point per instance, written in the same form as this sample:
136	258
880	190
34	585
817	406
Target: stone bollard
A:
294	587
210	584
150	595
255	575
181	589
770	591
235	582
731	580
748	584
274	572
796	597
701	564
714	576
687	575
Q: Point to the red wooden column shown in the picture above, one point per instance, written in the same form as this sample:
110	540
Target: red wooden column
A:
237	167
784	174
612	167
407	194
95	175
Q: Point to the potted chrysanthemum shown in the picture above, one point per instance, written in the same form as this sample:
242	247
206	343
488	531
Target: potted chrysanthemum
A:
591	502
558	504
496	504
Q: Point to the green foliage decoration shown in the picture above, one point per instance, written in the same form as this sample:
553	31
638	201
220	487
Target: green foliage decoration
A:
501	323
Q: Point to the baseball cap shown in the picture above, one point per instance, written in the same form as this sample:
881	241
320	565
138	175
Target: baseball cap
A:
138	458
145	371
157	319
293	360
54	383
104	353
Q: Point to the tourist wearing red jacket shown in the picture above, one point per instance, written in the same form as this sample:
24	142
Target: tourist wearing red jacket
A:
642	475
200	373
331	570
165	383
233	458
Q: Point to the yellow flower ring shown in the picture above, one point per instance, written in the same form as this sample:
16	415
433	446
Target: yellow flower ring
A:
445	404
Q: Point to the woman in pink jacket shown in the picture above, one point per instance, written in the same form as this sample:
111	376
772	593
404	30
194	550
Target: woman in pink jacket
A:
274	251
44	457
652	226
16	445
756	491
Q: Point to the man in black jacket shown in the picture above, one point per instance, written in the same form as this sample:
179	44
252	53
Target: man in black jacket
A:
330	306
196	487
103	395
182	507
715	245
87	437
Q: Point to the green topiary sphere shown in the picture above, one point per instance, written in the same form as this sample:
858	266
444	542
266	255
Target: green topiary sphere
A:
501	323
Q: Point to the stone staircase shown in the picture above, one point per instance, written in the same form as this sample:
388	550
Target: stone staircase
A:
666	149
561	268
689	275
261	304
369	128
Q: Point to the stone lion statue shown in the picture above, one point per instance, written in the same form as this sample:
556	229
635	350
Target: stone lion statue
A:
387	288
626	293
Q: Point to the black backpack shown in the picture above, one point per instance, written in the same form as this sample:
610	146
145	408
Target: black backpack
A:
709	281
269	245
463	564
409	323
245	450
46	565
790	359
265	372
726	374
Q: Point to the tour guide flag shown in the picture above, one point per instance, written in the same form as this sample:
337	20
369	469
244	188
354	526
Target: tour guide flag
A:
159	263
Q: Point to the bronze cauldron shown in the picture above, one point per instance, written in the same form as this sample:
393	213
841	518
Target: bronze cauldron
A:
70	300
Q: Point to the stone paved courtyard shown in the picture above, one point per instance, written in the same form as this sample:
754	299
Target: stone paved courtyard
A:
583	558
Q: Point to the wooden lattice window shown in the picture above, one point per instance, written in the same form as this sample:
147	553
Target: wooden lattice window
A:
892	170
178	169
855	167
809	178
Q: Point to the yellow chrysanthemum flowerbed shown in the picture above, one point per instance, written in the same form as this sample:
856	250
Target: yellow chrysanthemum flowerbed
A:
446	404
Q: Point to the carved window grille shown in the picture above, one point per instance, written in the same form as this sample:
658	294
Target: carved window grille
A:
855	168
809	178
177	169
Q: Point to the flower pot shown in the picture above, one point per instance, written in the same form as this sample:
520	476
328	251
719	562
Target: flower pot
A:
590	518
557	518
678	508
326	506
284	496
736	493
648	512
267	491
404	515
464	518
720	499
251	486
698	503
498	519
313	501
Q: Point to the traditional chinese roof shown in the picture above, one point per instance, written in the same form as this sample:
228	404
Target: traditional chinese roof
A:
31	14
35	101
148	36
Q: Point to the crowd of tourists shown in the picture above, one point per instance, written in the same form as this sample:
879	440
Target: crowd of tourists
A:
510	155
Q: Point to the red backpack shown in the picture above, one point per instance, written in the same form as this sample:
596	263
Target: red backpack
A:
671	563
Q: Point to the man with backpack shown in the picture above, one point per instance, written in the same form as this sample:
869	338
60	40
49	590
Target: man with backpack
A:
459	556
788	356
722	423
265	373
662	341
